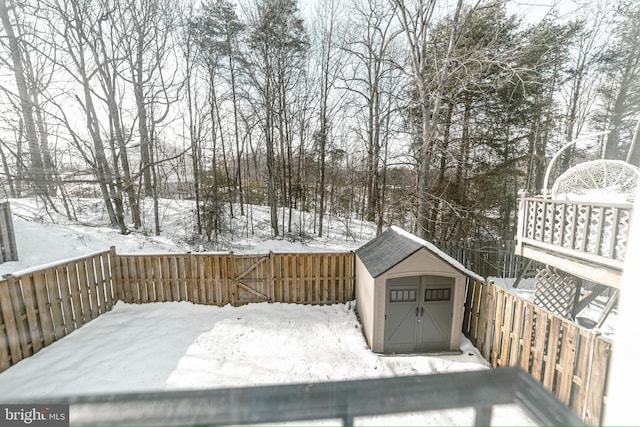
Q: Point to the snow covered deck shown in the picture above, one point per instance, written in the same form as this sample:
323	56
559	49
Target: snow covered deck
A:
583	238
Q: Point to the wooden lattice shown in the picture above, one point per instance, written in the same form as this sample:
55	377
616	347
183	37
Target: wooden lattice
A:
596	229
555	292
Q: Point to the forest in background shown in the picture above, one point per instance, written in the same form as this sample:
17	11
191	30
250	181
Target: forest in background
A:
425	114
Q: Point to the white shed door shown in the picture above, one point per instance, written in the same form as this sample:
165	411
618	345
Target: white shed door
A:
418	315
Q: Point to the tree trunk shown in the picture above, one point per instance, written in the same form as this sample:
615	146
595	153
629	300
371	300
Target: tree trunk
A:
37	171
7	171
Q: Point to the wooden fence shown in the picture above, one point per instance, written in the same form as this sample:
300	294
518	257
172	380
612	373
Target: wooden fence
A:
42	306
568	360
494	258
307	278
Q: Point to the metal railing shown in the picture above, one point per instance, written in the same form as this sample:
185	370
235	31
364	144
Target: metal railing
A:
344	400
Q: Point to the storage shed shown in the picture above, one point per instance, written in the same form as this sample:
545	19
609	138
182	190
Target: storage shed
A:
409	294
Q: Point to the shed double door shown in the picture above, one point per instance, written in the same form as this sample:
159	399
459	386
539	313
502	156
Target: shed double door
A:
418	314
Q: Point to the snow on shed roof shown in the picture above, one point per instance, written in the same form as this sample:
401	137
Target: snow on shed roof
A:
394	246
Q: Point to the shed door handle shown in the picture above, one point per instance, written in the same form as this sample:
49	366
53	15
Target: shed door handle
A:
417	311
422	312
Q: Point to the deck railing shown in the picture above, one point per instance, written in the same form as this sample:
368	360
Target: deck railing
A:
594	233
347	401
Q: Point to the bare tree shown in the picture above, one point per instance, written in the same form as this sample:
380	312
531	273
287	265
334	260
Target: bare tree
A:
580	95
278	40
330	64
40	162
84	57
374	63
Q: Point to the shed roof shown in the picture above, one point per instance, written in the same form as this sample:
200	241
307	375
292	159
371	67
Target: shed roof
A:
394	246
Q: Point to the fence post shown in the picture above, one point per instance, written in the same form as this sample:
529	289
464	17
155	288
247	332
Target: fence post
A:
489	304
191	273
233	284
116	276
596	380
272	279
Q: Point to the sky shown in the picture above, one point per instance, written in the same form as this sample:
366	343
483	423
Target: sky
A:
538	9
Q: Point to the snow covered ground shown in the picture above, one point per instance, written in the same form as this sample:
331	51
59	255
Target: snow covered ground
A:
185	346
38	232
180	345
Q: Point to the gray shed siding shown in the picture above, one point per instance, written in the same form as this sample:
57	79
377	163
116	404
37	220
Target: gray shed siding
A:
393	255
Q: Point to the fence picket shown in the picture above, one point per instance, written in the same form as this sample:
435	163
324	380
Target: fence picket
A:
103	283
527	336
505	330
125	279
10	327
497	341
291	273
338	277
5	350
78	317
308	278
192	280
172	278
115	278
142	280
488	315
39	283
285	284
163	265
582	370
20	313
597	381
84	290
182	275
516	332
540	340
30	304
567	359
65	296
53	289
92	284
551	354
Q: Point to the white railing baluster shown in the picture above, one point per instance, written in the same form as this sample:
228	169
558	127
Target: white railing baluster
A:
593	232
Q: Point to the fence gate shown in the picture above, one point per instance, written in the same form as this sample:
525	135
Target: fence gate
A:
252	279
